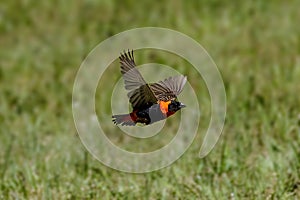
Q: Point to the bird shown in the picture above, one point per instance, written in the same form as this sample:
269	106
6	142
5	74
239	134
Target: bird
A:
151	102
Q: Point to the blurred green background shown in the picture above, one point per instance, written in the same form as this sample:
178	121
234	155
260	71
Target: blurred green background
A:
256	46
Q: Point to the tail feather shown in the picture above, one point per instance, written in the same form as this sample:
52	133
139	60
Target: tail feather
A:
124	120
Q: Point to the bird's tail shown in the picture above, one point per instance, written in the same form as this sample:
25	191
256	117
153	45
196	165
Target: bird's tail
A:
124	120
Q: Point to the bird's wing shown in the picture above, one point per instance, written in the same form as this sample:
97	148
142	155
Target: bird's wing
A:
169	88
140	95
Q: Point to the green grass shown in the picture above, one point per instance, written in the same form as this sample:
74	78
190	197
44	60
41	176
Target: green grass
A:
256	47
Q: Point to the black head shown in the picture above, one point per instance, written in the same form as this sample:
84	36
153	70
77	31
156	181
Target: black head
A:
175	106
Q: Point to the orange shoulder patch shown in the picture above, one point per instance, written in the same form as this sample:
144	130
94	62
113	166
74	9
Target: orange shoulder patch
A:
164	106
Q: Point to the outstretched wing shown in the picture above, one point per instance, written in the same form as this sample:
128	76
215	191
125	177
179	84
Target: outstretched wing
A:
169	88
140	95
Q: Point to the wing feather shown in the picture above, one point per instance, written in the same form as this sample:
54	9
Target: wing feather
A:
169	88
140	94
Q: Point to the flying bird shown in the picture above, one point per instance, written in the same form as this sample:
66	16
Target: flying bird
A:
151	102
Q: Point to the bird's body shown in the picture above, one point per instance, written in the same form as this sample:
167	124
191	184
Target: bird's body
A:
151	102
154	113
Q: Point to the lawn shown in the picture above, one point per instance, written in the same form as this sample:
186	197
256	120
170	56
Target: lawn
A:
256	46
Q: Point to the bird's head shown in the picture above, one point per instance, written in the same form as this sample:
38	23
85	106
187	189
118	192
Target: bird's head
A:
175	106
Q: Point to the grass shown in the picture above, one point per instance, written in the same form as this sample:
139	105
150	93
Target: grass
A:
256	47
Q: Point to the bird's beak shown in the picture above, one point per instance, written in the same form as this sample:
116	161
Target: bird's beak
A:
182	105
